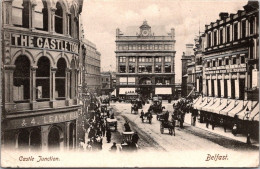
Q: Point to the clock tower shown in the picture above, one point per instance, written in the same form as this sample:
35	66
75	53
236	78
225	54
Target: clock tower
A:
145	29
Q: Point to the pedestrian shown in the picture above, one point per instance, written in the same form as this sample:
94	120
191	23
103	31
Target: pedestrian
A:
212	119
103	129
108	135
113	147
91	132
207	120
135	138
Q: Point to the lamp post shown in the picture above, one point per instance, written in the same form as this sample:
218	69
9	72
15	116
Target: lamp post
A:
247	115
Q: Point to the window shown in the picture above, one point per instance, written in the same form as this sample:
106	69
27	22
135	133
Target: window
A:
158	69
225	88
212	88
158	59
168	59
242	59
243	25
219	88
156	47
41	16
234	60
43	79
235	31
122	59
214	63
251	25
131	69
167	68
122	68
131	59
21	79
209	39
227	61
228	34
220	63
60	78
21	13
208	64
130	47
233	89
167	81
59	18
221	36
151	47
106	79
215	38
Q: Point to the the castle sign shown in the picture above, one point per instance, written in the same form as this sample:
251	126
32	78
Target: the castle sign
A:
44	42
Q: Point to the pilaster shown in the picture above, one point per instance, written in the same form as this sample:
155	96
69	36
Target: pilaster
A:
33	102
52	88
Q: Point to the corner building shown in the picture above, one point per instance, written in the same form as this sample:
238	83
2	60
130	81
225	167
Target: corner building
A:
145	63
40	74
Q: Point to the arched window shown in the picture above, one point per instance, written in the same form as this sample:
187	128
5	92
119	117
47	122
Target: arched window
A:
41	16
60	79
43	79
21	88
20	13
59	18
54	138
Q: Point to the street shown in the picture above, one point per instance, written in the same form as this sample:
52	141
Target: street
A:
190	138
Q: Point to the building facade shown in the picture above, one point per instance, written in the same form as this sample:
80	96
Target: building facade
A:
107	83
92	67
40	74
187	70
145	63
231	70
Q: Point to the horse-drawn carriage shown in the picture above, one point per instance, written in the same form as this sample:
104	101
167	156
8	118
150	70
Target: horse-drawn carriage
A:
168	124
146	117
136	104
128	144
112	123
157	107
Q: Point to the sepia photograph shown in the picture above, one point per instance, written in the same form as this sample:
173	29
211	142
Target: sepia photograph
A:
129	83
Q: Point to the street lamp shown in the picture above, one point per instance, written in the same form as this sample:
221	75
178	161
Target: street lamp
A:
247	115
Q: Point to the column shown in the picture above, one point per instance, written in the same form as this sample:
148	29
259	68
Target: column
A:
247	28
136	64
44	137
216	86
52	20
8	88
209	87
67	134
237	88
153	65
68	24
127	64
224	34
163	64
172	64
222	85
33	17
67	86
231	33
53	87
33	102
239	30
229	86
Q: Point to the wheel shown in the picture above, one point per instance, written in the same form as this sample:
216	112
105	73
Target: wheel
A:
162	129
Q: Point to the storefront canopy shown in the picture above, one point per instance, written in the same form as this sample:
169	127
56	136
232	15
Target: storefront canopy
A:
228	108
204	103
237	109
126	90
210	106
223	104
165	90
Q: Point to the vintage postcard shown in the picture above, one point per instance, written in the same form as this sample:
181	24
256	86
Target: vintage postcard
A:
129	83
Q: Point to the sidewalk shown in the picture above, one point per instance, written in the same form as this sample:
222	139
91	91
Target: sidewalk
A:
220	131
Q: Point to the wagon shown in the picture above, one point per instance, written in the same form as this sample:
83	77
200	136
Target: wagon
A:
147	117
169	125
112	123
127	144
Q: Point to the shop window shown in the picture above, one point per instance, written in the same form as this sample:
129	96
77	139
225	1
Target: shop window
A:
60	79
59	18
167	68
122	68
235	31
228	34
241	89
243	27
21	13
21	88
41	16
131	69
158	69
43	79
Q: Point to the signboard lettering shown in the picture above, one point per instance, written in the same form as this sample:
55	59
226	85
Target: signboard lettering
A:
44	42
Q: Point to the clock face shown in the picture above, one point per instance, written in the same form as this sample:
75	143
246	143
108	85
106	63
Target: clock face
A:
145	32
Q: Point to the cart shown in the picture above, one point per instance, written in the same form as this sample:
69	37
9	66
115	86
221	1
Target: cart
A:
111	123
169	125
127	144
147	117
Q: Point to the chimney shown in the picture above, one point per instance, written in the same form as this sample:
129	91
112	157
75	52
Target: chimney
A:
189	50
223	15
173	33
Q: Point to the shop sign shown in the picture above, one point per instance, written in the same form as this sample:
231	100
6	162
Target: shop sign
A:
40	120
44	42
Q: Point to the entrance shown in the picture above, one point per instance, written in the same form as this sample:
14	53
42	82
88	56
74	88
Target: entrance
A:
23	140
35	139
54	139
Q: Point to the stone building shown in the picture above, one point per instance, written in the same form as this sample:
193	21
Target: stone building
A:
40	74
92	67
107	83
145	63
231	70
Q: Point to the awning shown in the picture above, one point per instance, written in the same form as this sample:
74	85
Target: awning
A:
215	104
197	99
206	101
241	115
230	106
208	105
126	90
165	90
256	118
223	104
200	101
237	109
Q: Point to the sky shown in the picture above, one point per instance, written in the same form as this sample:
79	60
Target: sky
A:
101	18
